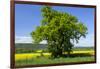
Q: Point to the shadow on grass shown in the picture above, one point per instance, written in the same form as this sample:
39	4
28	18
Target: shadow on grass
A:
77	55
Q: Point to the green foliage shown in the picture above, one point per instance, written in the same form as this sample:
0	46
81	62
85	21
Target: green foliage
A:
59	29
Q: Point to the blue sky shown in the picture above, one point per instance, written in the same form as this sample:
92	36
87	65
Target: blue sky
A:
28	17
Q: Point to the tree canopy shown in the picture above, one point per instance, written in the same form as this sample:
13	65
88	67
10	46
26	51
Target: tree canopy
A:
59	29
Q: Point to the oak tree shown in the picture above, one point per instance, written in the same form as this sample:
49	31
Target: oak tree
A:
59	29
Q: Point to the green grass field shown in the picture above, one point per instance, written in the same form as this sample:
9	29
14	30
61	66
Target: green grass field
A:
30	55
44	60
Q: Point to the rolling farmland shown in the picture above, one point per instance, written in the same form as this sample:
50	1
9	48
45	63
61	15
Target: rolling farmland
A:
27	54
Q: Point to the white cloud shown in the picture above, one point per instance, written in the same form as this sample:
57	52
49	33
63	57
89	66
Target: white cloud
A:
83	42
88	41
25	39
43	42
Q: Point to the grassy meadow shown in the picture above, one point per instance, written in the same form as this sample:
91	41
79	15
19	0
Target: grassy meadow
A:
31	54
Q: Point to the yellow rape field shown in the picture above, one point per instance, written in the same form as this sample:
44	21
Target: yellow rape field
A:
34	55
29	55
90	52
